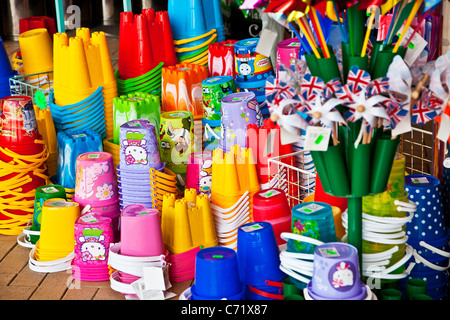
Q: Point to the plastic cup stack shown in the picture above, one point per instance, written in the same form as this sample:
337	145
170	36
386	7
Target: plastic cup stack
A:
217	275
6	72
133	107
54	251
71	144
259	261
195	25
252	68
141	245
182	88
187	226
234	182
336	274
221	59
428	235
23	155
93	237
84	83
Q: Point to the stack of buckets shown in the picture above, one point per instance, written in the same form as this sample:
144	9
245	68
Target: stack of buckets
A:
96	186
252	68
259	261
214	89
37	63
84	83
177	142
221	60
93	237
195	25
428	235
71	144
23	155
313	220
257	139
182	88
187	226
42	194
139	154
141	246
6	71
47	129
146	45
54	251
234	182
383	205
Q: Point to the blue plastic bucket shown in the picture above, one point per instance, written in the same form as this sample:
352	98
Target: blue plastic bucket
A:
217	275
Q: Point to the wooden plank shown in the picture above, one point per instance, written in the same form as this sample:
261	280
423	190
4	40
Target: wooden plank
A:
16	293
28	278
7	243
6	278
53	287
83	293
108	294
15	260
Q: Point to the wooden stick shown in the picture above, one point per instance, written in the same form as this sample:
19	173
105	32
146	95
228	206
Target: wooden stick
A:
308	28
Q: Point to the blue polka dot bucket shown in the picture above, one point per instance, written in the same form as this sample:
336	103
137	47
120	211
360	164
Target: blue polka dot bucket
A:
428	221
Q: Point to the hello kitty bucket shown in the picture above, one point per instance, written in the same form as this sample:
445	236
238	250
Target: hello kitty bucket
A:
336	273
96	183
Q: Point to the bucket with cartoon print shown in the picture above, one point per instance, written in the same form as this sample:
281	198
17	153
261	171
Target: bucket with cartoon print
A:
177	139
199	172
239	110
250	65
214	89
93	237
18	124
96	183
336	274
139	147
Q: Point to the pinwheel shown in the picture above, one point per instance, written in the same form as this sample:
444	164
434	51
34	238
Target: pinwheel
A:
415	97
323	111
356	94
277	90
283	102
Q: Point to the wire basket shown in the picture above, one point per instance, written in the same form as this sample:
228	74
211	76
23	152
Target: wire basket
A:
295	181
29	85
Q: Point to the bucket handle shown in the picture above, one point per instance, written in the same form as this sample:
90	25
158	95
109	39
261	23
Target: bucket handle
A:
278	296
418	258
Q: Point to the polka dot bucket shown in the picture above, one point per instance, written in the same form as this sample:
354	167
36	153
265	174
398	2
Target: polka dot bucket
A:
428	221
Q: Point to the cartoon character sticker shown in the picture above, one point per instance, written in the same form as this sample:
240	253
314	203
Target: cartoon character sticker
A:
92	243
86	178
135	152
205	182
181	136
342	276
